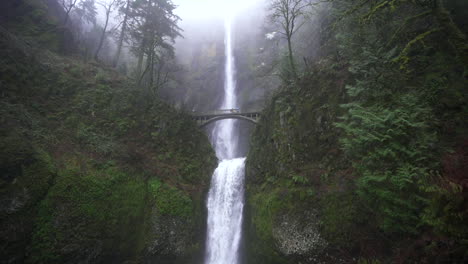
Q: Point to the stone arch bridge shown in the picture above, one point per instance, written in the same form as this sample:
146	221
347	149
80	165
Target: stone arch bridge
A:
204	119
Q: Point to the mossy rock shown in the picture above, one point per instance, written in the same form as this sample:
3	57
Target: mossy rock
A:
23	187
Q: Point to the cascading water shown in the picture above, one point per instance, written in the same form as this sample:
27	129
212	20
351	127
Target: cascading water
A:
225	198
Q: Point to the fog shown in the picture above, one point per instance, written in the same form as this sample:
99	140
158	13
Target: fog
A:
196	70
211	9
202	21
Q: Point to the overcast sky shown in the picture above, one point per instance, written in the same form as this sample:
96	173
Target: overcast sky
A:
195	10
205	9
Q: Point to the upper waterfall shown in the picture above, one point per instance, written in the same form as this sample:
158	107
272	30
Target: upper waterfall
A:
224	138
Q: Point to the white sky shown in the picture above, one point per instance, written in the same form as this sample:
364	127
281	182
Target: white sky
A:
202	10
197	16
206	9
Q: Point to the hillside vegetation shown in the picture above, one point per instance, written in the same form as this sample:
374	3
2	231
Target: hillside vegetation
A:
93	170
362	158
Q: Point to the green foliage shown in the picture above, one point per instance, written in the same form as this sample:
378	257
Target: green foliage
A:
293	163
299	179
446	211
267	206
404	106
390	138
368	261
95	141
45	236
78	143
104	202
29	188
340	218
33	22
285	71
169	200
392	121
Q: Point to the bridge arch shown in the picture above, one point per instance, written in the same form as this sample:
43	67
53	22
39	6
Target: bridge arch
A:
222	117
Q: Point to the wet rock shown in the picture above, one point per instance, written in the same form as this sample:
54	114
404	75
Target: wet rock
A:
298	234
169	235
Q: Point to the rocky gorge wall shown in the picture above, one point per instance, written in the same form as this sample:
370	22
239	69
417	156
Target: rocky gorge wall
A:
93	170
298	181
360	159
305	201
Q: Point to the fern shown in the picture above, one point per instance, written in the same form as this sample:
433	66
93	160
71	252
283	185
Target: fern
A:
388	137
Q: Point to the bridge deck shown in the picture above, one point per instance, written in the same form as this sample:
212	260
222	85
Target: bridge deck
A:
225	114
206	118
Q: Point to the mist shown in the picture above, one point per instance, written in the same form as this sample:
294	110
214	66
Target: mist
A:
195	70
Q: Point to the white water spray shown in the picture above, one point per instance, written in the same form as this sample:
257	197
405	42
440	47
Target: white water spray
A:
226	196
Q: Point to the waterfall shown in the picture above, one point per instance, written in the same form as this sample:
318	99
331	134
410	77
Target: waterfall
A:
226	196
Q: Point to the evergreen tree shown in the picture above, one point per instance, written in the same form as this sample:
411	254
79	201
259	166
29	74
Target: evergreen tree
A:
153	28
124	10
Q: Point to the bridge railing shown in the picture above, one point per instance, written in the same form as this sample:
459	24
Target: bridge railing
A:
222	112
219	112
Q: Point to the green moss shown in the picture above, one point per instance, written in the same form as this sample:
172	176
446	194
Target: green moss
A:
31	184
103	203
169	200
266	206
264	209
45	236
24	170
35	23
340	218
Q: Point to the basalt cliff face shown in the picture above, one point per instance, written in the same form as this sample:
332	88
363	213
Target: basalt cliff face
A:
299	184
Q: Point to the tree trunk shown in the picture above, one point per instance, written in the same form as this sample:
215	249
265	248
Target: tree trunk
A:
291	57
122	35
141	54
152	70
67	15
103	35
148	64
67	11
